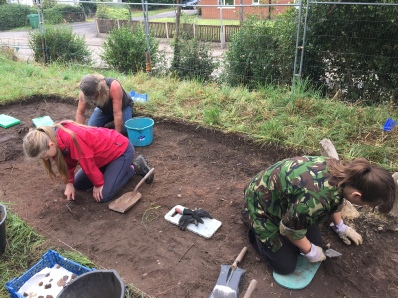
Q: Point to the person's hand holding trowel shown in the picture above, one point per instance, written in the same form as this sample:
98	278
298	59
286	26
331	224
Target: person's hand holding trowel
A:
69	192
191	216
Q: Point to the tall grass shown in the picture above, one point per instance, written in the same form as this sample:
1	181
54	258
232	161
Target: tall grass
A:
25	248
297	119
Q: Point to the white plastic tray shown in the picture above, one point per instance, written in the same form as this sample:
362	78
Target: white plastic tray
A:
205	229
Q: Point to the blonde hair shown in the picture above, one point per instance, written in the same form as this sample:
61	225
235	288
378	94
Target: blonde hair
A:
37	141
375	184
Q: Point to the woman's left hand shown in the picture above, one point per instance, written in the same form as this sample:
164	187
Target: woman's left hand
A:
346	233
97	193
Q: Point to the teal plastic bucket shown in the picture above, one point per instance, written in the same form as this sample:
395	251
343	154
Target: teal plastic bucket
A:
3	216
140	131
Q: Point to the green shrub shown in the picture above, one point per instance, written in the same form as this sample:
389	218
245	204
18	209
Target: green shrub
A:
62	13
89	8
63	46
193	60
261	52
347	52
113	12
125	48
48	3
52	16
14	15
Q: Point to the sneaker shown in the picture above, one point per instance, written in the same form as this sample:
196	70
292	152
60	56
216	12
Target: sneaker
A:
141	168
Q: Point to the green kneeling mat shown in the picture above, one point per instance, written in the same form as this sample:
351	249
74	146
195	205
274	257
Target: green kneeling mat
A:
8	121
43	120
301	277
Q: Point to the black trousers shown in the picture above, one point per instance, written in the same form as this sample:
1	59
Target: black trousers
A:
284	260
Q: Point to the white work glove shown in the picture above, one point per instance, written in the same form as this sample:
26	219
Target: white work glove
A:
346	233
395	177
315	255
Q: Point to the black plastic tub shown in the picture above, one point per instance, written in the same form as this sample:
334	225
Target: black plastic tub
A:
3	216
95	284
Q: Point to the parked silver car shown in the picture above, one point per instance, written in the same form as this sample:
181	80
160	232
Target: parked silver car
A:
189	4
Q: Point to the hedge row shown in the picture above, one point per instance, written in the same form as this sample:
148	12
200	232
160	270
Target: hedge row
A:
15	15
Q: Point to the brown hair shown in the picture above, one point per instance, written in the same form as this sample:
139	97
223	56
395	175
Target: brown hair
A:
375	184
36	142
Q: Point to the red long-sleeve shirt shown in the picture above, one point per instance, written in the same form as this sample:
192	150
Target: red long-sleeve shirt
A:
98	147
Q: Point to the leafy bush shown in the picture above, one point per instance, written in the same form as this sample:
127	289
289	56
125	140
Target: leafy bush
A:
261	52
52	16
7	53
47	3
351	49
193	60
62	13
125	48
113	12
89	8
62	46
14	15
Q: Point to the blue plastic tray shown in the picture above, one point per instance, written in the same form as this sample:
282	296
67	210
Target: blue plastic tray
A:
389	125
49	259
138	97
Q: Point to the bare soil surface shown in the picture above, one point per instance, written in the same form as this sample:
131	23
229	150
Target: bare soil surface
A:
194	167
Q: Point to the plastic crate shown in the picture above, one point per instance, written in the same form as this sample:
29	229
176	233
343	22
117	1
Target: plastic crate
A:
137	97
49	259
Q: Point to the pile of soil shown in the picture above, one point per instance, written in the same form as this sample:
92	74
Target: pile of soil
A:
196	168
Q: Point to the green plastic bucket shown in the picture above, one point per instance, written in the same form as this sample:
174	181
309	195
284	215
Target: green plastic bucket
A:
3	216
140	131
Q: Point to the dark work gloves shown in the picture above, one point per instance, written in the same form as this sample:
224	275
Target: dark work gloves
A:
185	220
191	216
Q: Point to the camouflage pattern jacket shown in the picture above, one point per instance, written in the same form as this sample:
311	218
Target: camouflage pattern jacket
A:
289	197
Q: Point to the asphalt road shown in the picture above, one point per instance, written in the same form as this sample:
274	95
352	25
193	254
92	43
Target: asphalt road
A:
18	40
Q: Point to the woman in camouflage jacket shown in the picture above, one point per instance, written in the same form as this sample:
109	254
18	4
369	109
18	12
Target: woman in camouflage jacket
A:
285	203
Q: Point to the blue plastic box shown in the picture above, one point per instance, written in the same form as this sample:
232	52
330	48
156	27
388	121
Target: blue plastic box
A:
49	259
137	97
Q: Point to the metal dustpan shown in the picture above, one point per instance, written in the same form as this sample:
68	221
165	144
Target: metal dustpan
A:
129	199
229	279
